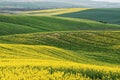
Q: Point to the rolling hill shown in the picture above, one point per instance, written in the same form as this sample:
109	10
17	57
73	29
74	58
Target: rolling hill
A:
34	47
109	15
27	24
100	46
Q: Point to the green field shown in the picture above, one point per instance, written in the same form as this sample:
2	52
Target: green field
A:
27	24
103	15
36	47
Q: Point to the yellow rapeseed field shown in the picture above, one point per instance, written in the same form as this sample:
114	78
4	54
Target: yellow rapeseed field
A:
35	69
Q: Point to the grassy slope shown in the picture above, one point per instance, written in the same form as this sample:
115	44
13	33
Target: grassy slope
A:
106	15
99	46
28	24
9	28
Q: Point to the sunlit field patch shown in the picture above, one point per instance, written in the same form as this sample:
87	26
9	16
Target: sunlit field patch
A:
53	11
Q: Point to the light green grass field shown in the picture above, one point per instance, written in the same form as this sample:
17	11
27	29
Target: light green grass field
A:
58	48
